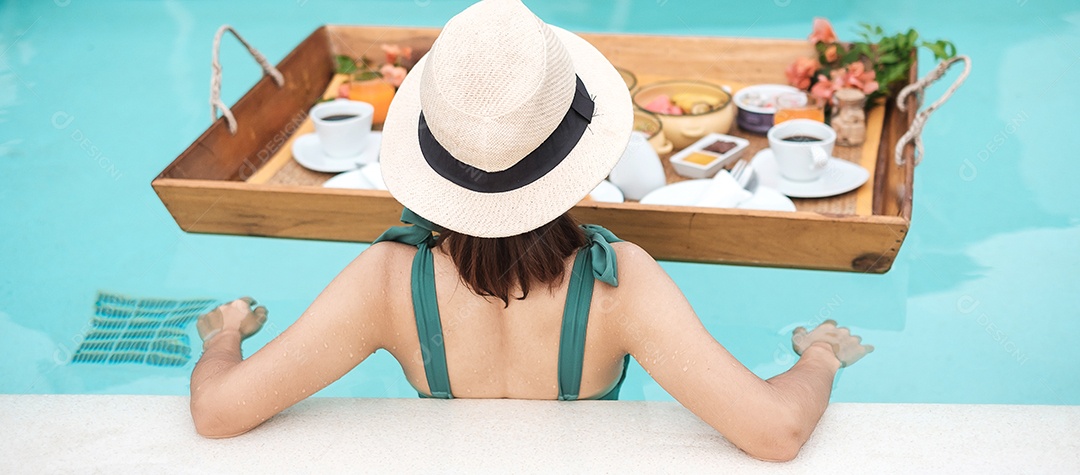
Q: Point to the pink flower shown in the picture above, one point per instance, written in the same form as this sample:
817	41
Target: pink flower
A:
823	88
854	75
397	55
823	32
393	74
343	90
799	72
830	54
858	77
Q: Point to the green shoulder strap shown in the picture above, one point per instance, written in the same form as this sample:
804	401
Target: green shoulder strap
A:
596	261
425	303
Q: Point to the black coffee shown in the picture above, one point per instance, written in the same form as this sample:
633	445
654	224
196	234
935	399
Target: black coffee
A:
338	117
801	138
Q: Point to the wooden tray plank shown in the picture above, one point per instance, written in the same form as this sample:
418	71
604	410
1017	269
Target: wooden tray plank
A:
802	240
864	195
780	239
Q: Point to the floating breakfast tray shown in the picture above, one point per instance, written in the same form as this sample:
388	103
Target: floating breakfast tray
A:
248	184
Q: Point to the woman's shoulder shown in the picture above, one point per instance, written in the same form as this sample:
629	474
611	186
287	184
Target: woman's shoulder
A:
637	270
388	260
630	256
626	250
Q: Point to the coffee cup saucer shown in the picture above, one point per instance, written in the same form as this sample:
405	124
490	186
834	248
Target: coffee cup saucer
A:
840	176
308	152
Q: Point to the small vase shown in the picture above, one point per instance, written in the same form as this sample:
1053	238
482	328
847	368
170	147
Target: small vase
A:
849	119
376	92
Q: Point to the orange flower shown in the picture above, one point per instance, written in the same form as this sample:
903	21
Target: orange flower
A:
799	72
823	32
830	54
393	74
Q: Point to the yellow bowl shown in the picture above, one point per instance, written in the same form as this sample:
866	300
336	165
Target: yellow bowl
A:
649	124
683	130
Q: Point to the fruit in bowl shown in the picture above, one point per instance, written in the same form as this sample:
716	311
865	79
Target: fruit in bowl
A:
683	104
688	109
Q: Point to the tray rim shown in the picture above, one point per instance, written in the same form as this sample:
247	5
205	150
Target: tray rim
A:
882	212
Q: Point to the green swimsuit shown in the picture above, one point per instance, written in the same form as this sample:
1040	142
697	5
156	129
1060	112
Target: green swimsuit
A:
597	258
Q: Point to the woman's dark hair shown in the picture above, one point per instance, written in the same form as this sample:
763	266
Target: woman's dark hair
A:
493	267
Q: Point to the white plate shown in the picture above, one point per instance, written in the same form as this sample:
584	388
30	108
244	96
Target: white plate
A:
689	192
307	151
840	176
367	178
607	192
353	180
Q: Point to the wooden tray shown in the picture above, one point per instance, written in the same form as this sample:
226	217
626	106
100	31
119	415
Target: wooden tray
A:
248	183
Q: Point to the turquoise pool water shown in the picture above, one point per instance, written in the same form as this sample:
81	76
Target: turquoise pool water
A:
980	307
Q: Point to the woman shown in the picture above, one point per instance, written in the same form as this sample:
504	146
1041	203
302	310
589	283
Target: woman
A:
495	134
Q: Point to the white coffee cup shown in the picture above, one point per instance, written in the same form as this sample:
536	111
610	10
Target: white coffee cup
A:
801	161
639	171
343	126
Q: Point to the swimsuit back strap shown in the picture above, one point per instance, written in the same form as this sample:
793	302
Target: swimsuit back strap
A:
575	321
596	261
428	326
425	303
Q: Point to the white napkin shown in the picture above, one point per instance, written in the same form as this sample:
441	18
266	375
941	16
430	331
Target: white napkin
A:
723	192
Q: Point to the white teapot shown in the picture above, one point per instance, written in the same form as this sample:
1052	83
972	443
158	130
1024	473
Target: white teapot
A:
639	171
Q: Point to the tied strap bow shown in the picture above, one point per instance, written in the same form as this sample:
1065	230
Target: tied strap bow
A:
420	231
601	254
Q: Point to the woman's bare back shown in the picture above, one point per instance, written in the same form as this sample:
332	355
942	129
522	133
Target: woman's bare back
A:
498	351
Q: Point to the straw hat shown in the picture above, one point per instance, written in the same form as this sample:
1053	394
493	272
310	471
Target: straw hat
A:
505	124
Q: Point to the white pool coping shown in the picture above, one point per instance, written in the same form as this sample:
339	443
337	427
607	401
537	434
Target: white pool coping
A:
140	434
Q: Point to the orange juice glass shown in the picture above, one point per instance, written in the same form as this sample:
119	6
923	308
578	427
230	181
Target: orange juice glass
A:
798	105
376	92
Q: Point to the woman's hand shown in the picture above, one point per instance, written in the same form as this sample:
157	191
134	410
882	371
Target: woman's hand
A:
236	315
848	348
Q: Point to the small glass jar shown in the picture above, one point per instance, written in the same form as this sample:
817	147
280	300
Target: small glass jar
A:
849	120
798	105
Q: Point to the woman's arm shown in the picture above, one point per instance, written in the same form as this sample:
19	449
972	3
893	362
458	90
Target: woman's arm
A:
769	420
342	327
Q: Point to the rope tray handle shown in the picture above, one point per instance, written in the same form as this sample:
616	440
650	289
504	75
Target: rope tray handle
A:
914	134
215	76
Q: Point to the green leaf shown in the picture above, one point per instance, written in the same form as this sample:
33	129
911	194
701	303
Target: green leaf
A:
851	56
345	64
888	58
950	49
937	48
